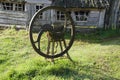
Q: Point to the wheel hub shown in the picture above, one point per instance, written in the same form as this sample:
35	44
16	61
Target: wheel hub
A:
54	32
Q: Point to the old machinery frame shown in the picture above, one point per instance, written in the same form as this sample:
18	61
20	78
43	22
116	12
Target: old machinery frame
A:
52	39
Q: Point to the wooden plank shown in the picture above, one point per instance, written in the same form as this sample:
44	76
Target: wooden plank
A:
94	19
92	23
12	22
94	15
84	9
12	13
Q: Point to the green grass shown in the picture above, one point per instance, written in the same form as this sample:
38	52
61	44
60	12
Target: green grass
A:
96	56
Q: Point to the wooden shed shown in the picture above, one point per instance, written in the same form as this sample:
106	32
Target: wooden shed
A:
83	12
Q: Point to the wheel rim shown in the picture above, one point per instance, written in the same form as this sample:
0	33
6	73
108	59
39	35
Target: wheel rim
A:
50	38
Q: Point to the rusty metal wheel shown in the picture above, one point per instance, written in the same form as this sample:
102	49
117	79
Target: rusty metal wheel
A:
51	32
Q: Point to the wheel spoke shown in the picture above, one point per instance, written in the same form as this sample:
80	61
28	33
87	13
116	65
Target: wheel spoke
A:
48	47
61	46
53	46
35	42
64	43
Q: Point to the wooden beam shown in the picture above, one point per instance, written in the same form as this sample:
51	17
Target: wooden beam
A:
13	1
84	9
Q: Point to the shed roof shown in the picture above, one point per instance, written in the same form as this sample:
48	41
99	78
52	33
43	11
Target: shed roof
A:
81	3
12	1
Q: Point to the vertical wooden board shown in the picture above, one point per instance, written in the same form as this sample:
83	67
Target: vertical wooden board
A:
101	19
0	6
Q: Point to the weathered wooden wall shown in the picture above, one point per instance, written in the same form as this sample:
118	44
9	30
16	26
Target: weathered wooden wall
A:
13	18
114	13
95	18
19	17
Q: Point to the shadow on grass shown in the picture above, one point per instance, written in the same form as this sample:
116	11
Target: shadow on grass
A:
85	72
67	73
3	61
63	71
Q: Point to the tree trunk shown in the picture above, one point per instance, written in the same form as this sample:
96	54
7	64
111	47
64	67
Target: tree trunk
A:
112	14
